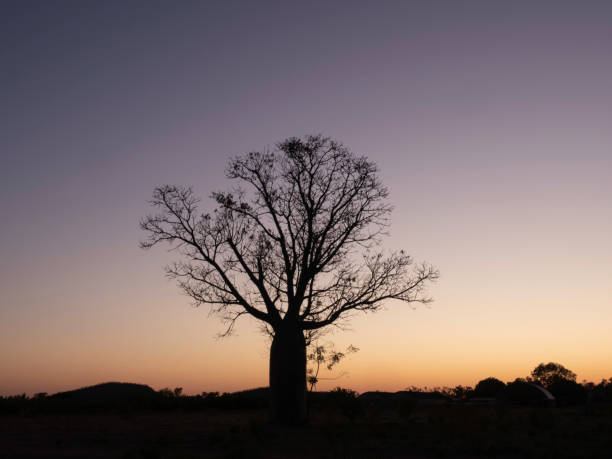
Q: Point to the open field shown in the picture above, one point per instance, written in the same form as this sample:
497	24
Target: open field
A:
445	431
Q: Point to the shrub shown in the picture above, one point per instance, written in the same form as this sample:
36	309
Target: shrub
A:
567	392
347	401
489	387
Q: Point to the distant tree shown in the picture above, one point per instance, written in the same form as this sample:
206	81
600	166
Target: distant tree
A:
547	373
603	390
489	387
567	391
324	355
294	245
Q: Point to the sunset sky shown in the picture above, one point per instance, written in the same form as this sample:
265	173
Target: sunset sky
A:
490	121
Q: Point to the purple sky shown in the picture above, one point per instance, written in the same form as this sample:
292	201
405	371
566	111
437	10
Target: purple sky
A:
491	123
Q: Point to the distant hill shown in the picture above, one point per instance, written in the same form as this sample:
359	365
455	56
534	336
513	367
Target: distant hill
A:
110	395
107	392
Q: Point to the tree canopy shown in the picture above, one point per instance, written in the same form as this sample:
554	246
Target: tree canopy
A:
295	239
294	244
546	374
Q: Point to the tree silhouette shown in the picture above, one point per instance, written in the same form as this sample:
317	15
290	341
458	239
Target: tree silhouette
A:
294	245
489	387
560	381
546	374
324	354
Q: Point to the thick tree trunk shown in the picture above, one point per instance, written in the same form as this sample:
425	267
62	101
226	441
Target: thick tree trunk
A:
288	376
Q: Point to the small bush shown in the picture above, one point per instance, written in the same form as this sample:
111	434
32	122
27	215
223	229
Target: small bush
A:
347	401
489	387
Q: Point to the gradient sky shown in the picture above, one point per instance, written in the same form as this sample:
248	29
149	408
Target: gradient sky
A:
491	123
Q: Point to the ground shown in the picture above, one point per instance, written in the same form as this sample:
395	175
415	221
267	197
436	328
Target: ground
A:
452	431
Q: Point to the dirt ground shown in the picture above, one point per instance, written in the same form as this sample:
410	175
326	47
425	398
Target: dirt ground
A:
441	431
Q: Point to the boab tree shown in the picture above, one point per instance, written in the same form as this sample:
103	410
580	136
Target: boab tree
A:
294	244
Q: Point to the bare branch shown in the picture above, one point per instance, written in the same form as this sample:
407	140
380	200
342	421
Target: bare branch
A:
283	245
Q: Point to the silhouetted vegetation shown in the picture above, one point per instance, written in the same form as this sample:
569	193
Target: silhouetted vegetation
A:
561	382
411	423
295	244
324	355
122	397
489	387
493	419
546	374
128	397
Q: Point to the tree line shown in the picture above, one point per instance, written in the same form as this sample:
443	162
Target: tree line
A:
559	381
122	397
